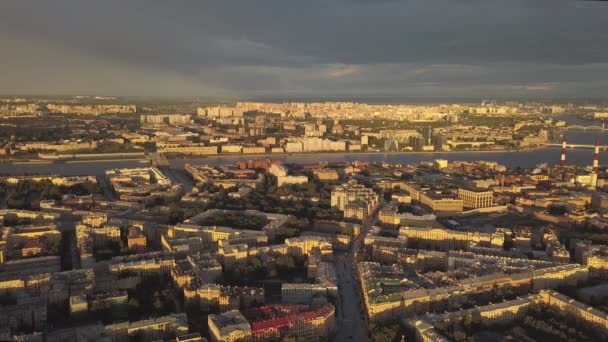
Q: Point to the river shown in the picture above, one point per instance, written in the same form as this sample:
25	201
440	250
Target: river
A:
525	159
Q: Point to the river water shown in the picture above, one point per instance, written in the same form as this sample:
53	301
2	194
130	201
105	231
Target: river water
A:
525	159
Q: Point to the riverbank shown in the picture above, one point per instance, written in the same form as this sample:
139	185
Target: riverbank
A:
68	161
258	155
28	162
349	153
141	160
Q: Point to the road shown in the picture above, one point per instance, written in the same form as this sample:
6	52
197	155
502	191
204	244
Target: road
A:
352	324
351	319
70	256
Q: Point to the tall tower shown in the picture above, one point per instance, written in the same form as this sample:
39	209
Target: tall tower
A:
596	156
564	151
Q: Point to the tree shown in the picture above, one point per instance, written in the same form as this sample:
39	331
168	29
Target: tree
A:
157	303
286	261
285	265
459	336
176	214
467	320
133	303
476	319
558	210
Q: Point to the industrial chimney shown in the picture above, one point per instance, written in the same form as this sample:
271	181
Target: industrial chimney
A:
596	156
564	151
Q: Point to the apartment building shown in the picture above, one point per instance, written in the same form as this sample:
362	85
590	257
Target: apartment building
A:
272	323
445	239
229	326
354	197
304	293
283	178
441	202
476	198
171	119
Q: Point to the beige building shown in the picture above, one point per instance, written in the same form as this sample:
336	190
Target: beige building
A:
326	174
91	109
232	148
440	202
150	329
186	148
354	199
475	198
254	150
57	147
230	326
220	112
445	239
389	217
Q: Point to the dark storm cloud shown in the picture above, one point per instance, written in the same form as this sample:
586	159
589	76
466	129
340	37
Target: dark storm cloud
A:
339	47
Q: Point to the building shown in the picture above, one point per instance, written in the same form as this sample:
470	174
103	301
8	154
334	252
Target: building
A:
401	197
441	202
445	239
238	298
253	150
389	216
595	257
581	313
476	198
78	305
186	148
220	112
326	175
233	254
229	326
170	119
136	240
91	109
599	202
292	294
440	163
68	146
232	148
273	323
511	312
209	174
150	329
355	200
280	321
137	181
283	178
314	144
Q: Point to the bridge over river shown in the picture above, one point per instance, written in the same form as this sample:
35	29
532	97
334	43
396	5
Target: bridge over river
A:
579	146
587	128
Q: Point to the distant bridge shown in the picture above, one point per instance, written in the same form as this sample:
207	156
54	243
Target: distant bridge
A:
587	128
585	146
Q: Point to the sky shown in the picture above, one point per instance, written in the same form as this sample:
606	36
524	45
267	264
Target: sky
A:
314	48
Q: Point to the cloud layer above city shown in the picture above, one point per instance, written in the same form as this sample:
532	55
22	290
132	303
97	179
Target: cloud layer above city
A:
281	49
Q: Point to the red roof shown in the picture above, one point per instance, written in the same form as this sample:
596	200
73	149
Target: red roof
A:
261	327
270	319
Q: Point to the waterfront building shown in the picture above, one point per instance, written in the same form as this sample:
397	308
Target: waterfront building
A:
476	198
